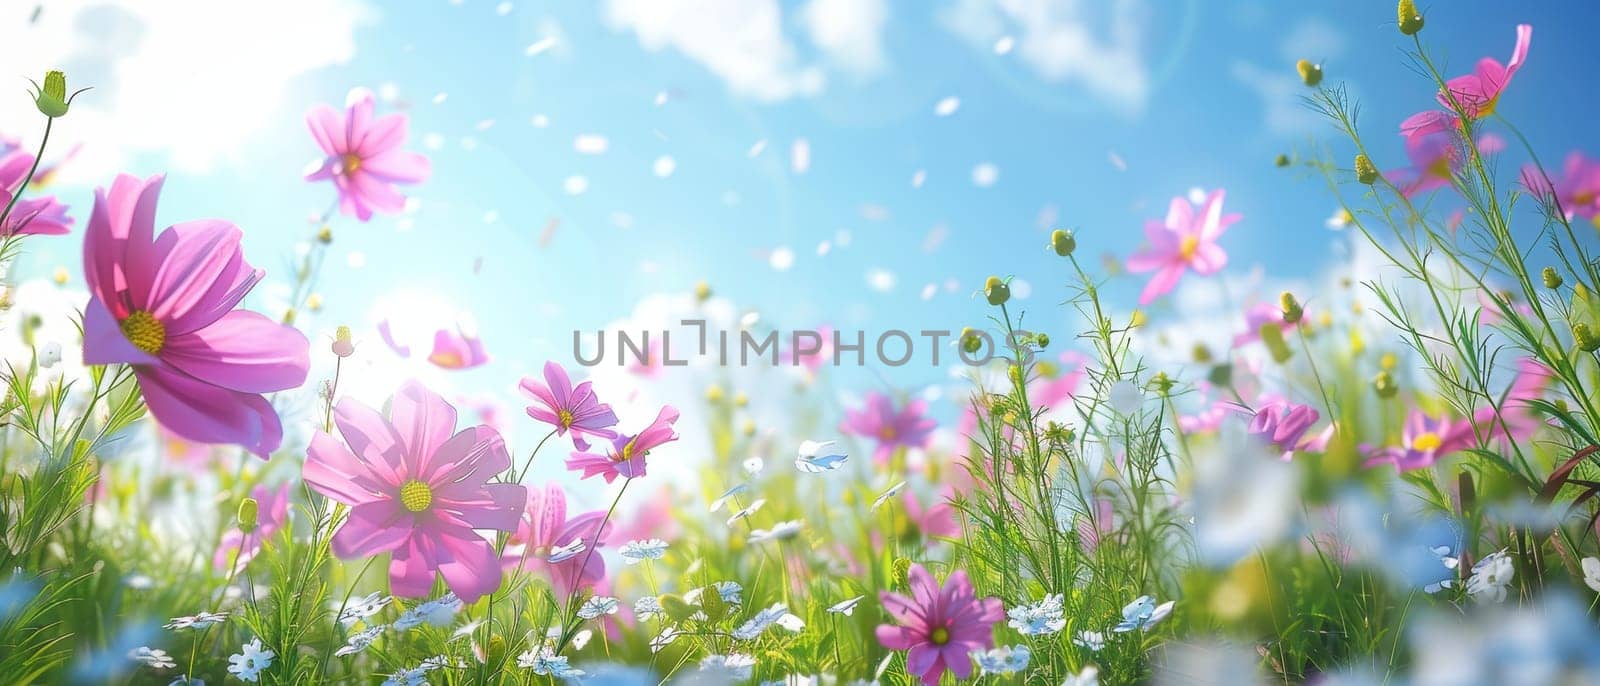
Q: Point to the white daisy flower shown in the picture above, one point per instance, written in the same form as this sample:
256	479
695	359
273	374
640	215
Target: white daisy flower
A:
777	614
747	511
1003	660
1093	640
545	662
634	552
647	607
364	607
204	620
155	658
1043	618
250	660
596	606
359	641
886	495
664	639
1090	676
1591	573
438	612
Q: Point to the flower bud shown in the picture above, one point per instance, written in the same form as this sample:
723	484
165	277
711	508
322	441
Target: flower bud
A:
1384	385
1552	280
342	345
702	291
1014	372
1063	242
996	291
325	236
1365	172
1310	74
1161	383
902	571
51	98
1043	340
1221	375
1410	18
1202	354
248	509
1292	311
971	342
1585	338
1281	161
714	393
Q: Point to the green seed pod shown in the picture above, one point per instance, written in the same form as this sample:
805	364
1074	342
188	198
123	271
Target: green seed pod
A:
1585	338
996	291
1410	18
1384	385
1281	161
1552	280
1365	171
1043	340
1161	383
1310	74
1292	311
1063	242
51	98
1272	337
248	509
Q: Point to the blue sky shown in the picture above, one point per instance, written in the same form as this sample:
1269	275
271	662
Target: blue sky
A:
1184	93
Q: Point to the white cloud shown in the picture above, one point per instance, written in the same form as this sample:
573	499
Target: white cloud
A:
741	41
1092	44
1312	39
188	79
849	32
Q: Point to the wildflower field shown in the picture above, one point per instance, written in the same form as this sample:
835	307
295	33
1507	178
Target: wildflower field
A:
259	451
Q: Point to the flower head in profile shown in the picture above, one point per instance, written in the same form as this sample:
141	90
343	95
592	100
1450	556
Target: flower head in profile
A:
1185	240
569	408
417	489
1435	160
457	349
546	530
1576	191
906	427
627	455
240	547
940	626
1424	440
1284	426
165	305
938	519
39	215
1477	93
363	156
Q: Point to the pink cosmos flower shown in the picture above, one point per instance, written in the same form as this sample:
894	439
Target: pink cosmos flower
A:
1424	440
627	456
1576	191
1092	530
907	427
1435	160
165	306
940	626
457	350
1284	425
417	489
566	408
241	547
30	215
935	521
545	528
1184	240
1477	93
363	156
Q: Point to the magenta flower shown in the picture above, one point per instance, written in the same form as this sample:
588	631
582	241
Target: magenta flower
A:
240	547
1435	160
363	156
417	489
941	627
627	456
30	215
1477	93
457	350
1183	241
891	428
165	306
1424	440
566	408
935	521
1576	191
1259	315
545	529
1284	425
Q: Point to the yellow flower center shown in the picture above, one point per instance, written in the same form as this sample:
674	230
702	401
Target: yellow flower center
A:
145	332
1427	442
626	453
1188	247
350	164
887	433
940	636
565	417
415	495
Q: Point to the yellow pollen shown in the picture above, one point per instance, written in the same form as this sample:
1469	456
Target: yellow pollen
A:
626	454
1188	247
145	332
565	416
350	164
415	495
940	636
1427	442
887	433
